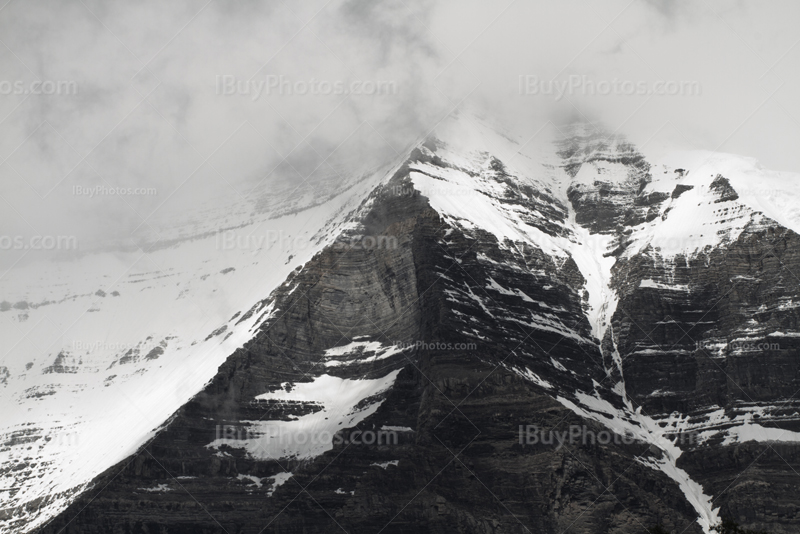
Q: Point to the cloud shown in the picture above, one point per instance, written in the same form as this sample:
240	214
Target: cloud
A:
148	112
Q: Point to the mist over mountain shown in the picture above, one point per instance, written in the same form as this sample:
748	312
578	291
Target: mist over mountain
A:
399	266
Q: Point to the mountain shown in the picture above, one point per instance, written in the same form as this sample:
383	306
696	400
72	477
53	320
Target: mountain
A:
102	350
487	335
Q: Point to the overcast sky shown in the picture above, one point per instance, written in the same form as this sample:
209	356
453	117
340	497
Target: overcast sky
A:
143	86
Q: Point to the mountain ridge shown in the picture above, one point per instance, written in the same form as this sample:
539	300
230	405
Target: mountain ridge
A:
454	196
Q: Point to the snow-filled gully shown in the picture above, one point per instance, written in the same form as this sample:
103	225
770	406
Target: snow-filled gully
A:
588	254
646	429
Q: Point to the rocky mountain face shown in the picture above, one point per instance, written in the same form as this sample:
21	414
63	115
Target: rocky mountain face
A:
499	340
711	339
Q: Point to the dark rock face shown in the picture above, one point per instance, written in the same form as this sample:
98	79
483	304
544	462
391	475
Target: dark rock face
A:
722	187
680	189
710	342
609	202
497	343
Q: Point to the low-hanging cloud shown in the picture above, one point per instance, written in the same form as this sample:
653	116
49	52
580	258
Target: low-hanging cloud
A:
179	104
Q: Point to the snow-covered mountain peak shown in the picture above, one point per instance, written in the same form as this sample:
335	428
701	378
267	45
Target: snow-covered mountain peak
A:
702	200
776	194
105	348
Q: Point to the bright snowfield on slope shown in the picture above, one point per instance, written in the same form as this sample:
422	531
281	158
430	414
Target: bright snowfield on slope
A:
696	220
101	351
307	436
360	352
692	223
